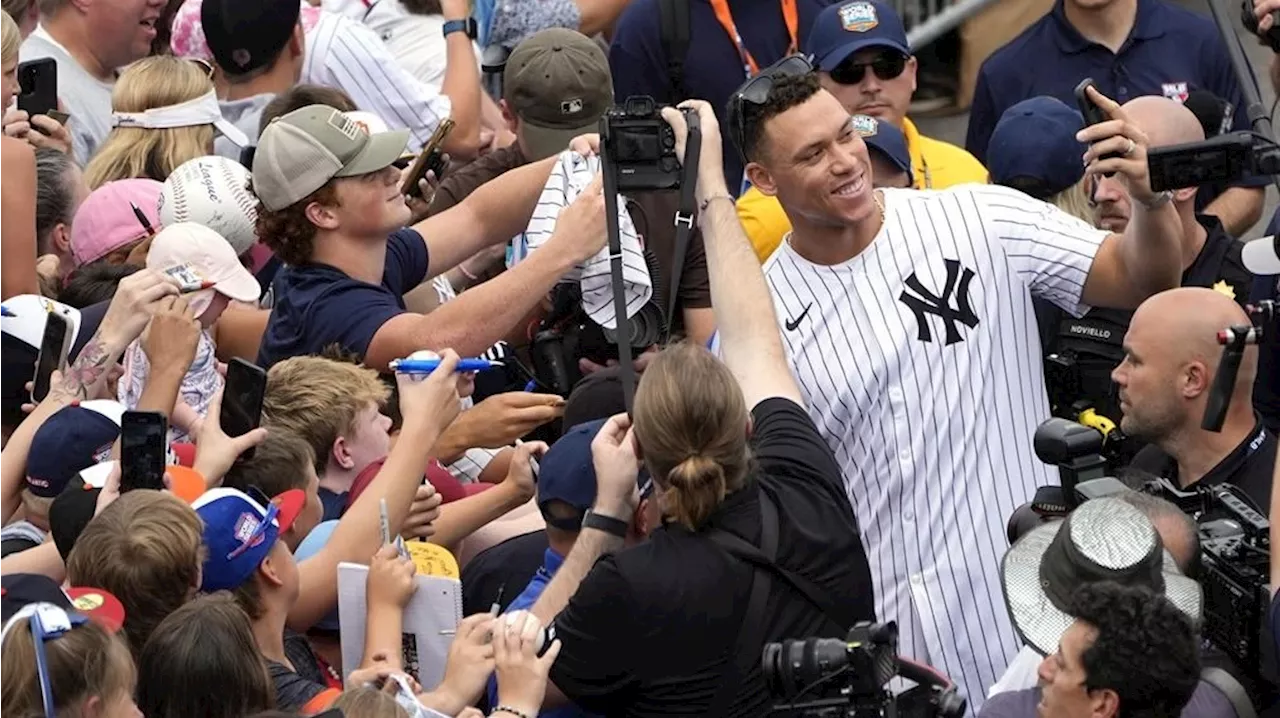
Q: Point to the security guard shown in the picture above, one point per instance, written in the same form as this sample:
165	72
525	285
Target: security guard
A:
1083	352
1130	48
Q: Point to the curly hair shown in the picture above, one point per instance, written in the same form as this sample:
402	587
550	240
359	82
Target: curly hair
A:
787	91
1146	649
288	232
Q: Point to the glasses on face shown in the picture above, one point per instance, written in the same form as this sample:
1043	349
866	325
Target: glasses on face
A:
756	92
886	66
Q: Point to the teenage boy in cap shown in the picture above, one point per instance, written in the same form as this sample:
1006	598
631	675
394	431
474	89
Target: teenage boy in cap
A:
556	86
566	491
330	206
862	57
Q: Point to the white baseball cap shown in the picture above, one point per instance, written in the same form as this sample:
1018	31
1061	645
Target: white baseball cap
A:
203	110
208	255
1262	256
24	318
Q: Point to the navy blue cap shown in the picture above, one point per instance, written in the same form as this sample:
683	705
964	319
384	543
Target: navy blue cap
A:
71	440
1036	139
566	474
886	139
843	29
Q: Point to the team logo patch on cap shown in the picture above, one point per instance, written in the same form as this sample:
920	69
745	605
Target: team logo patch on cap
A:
1175	91
858	17
88	602
339	121
246	526
569	107
864	125
241	56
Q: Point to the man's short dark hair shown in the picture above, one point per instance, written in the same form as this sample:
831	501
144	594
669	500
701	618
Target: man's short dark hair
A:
788	91
278	465
1145	651
93	283
300	96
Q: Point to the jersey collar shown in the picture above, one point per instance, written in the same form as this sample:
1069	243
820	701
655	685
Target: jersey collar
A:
1146	26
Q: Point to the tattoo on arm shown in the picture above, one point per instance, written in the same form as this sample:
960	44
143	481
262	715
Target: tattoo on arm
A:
89	368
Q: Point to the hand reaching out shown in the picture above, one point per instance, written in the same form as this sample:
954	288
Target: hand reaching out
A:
173	334
617	464
422	514
522	675
520	473
502	418
433	399
469	664
390	579
215	451
1121	137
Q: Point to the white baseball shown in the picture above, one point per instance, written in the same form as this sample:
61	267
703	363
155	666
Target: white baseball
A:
212	191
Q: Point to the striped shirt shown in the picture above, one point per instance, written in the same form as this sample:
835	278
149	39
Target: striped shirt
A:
919	360
345	54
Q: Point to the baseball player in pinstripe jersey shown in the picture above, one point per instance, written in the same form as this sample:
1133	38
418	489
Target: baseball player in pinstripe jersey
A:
908	320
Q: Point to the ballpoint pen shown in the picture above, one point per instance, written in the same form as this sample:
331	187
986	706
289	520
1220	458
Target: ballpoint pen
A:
426	366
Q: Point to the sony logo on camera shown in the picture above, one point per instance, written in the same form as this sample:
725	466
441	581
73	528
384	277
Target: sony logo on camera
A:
641	146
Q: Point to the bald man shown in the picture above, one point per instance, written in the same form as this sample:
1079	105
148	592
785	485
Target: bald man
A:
1171	357
1091	347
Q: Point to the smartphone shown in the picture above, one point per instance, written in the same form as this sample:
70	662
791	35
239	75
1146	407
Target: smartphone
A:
431	158
144	439
1091	112
53	354
242	399
38	80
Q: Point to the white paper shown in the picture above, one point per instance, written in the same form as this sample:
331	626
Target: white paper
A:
430	620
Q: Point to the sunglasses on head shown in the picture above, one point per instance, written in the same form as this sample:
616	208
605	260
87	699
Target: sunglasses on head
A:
205	66
756	92
886	66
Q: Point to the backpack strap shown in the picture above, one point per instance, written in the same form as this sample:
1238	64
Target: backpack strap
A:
674	24
1231	688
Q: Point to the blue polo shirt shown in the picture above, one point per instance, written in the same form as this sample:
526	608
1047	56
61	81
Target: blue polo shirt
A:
1170	51
551	563
713	68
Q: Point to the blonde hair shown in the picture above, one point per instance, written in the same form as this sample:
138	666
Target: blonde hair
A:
1074	200
85	662
10	40
365	702
137	152
318	399
147	548
691	421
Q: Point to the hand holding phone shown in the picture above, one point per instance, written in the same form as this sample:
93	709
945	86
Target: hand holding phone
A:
144	443
1091	112
54	346
431	158
241	410
38	83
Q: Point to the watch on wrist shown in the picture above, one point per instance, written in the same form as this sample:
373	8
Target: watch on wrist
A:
468	26
607	524
1159	200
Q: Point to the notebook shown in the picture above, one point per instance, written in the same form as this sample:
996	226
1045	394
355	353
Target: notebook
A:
430	620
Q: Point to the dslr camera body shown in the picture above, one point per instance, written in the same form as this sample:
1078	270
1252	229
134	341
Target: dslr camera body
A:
641	146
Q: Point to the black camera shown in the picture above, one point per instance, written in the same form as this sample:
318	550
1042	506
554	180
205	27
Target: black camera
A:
641	145
1222	159
847	678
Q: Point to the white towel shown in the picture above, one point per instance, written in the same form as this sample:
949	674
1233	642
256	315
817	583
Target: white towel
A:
569	176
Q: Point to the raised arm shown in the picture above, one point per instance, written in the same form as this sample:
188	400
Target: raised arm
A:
744	312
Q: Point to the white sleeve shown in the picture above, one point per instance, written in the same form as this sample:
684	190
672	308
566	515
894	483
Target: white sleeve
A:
1051	251
343	53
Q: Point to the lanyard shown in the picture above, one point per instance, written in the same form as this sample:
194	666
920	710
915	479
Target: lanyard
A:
749	65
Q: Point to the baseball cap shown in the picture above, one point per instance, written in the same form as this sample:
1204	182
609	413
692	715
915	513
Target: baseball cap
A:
239	532
24	318
71	440
22	328
208	255
1105	539
843	29
557	82
598	396
300	151
886	139
19	591
246	35
566	474
198	111
105	221
1262	256
1036	139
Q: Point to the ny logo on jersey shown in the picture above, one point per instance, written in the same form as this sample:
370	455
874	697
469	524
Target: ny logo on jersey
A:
924	302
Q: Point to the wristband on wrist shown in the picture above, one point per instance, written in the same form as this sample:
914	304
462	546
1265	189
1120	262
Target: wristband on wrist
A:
709	200
466	273
508	709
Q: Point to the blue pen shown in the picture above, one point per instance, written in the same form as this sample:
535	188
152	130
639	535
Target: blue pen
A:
7	312
426	366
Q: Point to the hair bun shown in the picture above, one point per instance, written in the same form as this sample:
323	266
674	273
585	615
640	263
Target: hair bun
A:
698	485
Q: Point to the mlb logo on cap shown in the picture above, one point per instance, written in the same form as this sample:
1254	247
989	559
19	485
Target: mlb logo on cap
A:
864	125
568	107
858	17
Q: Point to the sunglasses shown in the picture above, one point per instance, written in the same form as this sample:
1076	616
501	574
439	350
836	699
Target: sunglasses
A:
887	66
205	66
756	92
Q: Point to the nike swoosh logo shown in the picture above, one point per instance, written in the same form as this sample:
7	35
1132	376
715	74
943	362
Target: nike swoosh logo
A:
793	323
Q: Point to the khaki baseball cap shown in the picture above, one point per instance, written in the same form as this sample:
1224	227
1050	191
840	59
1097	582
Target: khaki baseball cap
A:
557	82
302	150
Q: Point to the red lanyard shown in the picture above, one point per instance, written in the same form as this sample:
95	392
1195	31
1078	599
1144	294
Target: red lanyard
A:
749	65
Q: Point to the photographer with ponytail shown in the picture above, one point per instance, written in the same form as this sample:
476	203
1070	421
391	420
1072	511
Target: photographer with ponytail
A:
676	624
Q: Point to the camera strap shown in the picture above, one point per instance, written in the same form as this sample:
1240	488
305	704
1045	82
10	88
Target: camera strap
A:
762	559
684	216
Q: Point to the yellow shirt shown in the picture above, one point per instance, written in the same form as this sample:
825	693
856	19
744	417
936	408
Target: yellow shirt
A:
935	165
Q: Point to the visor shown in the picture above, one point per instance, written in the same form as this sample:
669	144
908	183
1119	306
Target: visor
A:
203	110
1262	256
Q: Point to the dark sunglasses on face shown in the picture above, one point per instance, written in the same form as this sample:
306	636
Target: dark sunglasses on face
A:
887	66
756	92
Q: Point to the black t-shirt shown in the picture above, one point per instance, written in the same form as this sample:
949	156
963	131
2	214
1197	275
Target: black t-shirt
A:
1249	466
501	572
653	629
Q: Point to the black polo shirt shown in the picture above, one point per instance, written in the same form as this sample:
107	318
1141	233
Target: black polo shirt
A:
1249	466
653	629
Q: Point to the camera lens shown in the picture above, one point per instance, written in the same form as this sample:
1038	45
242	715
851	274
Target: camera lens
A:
790	666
